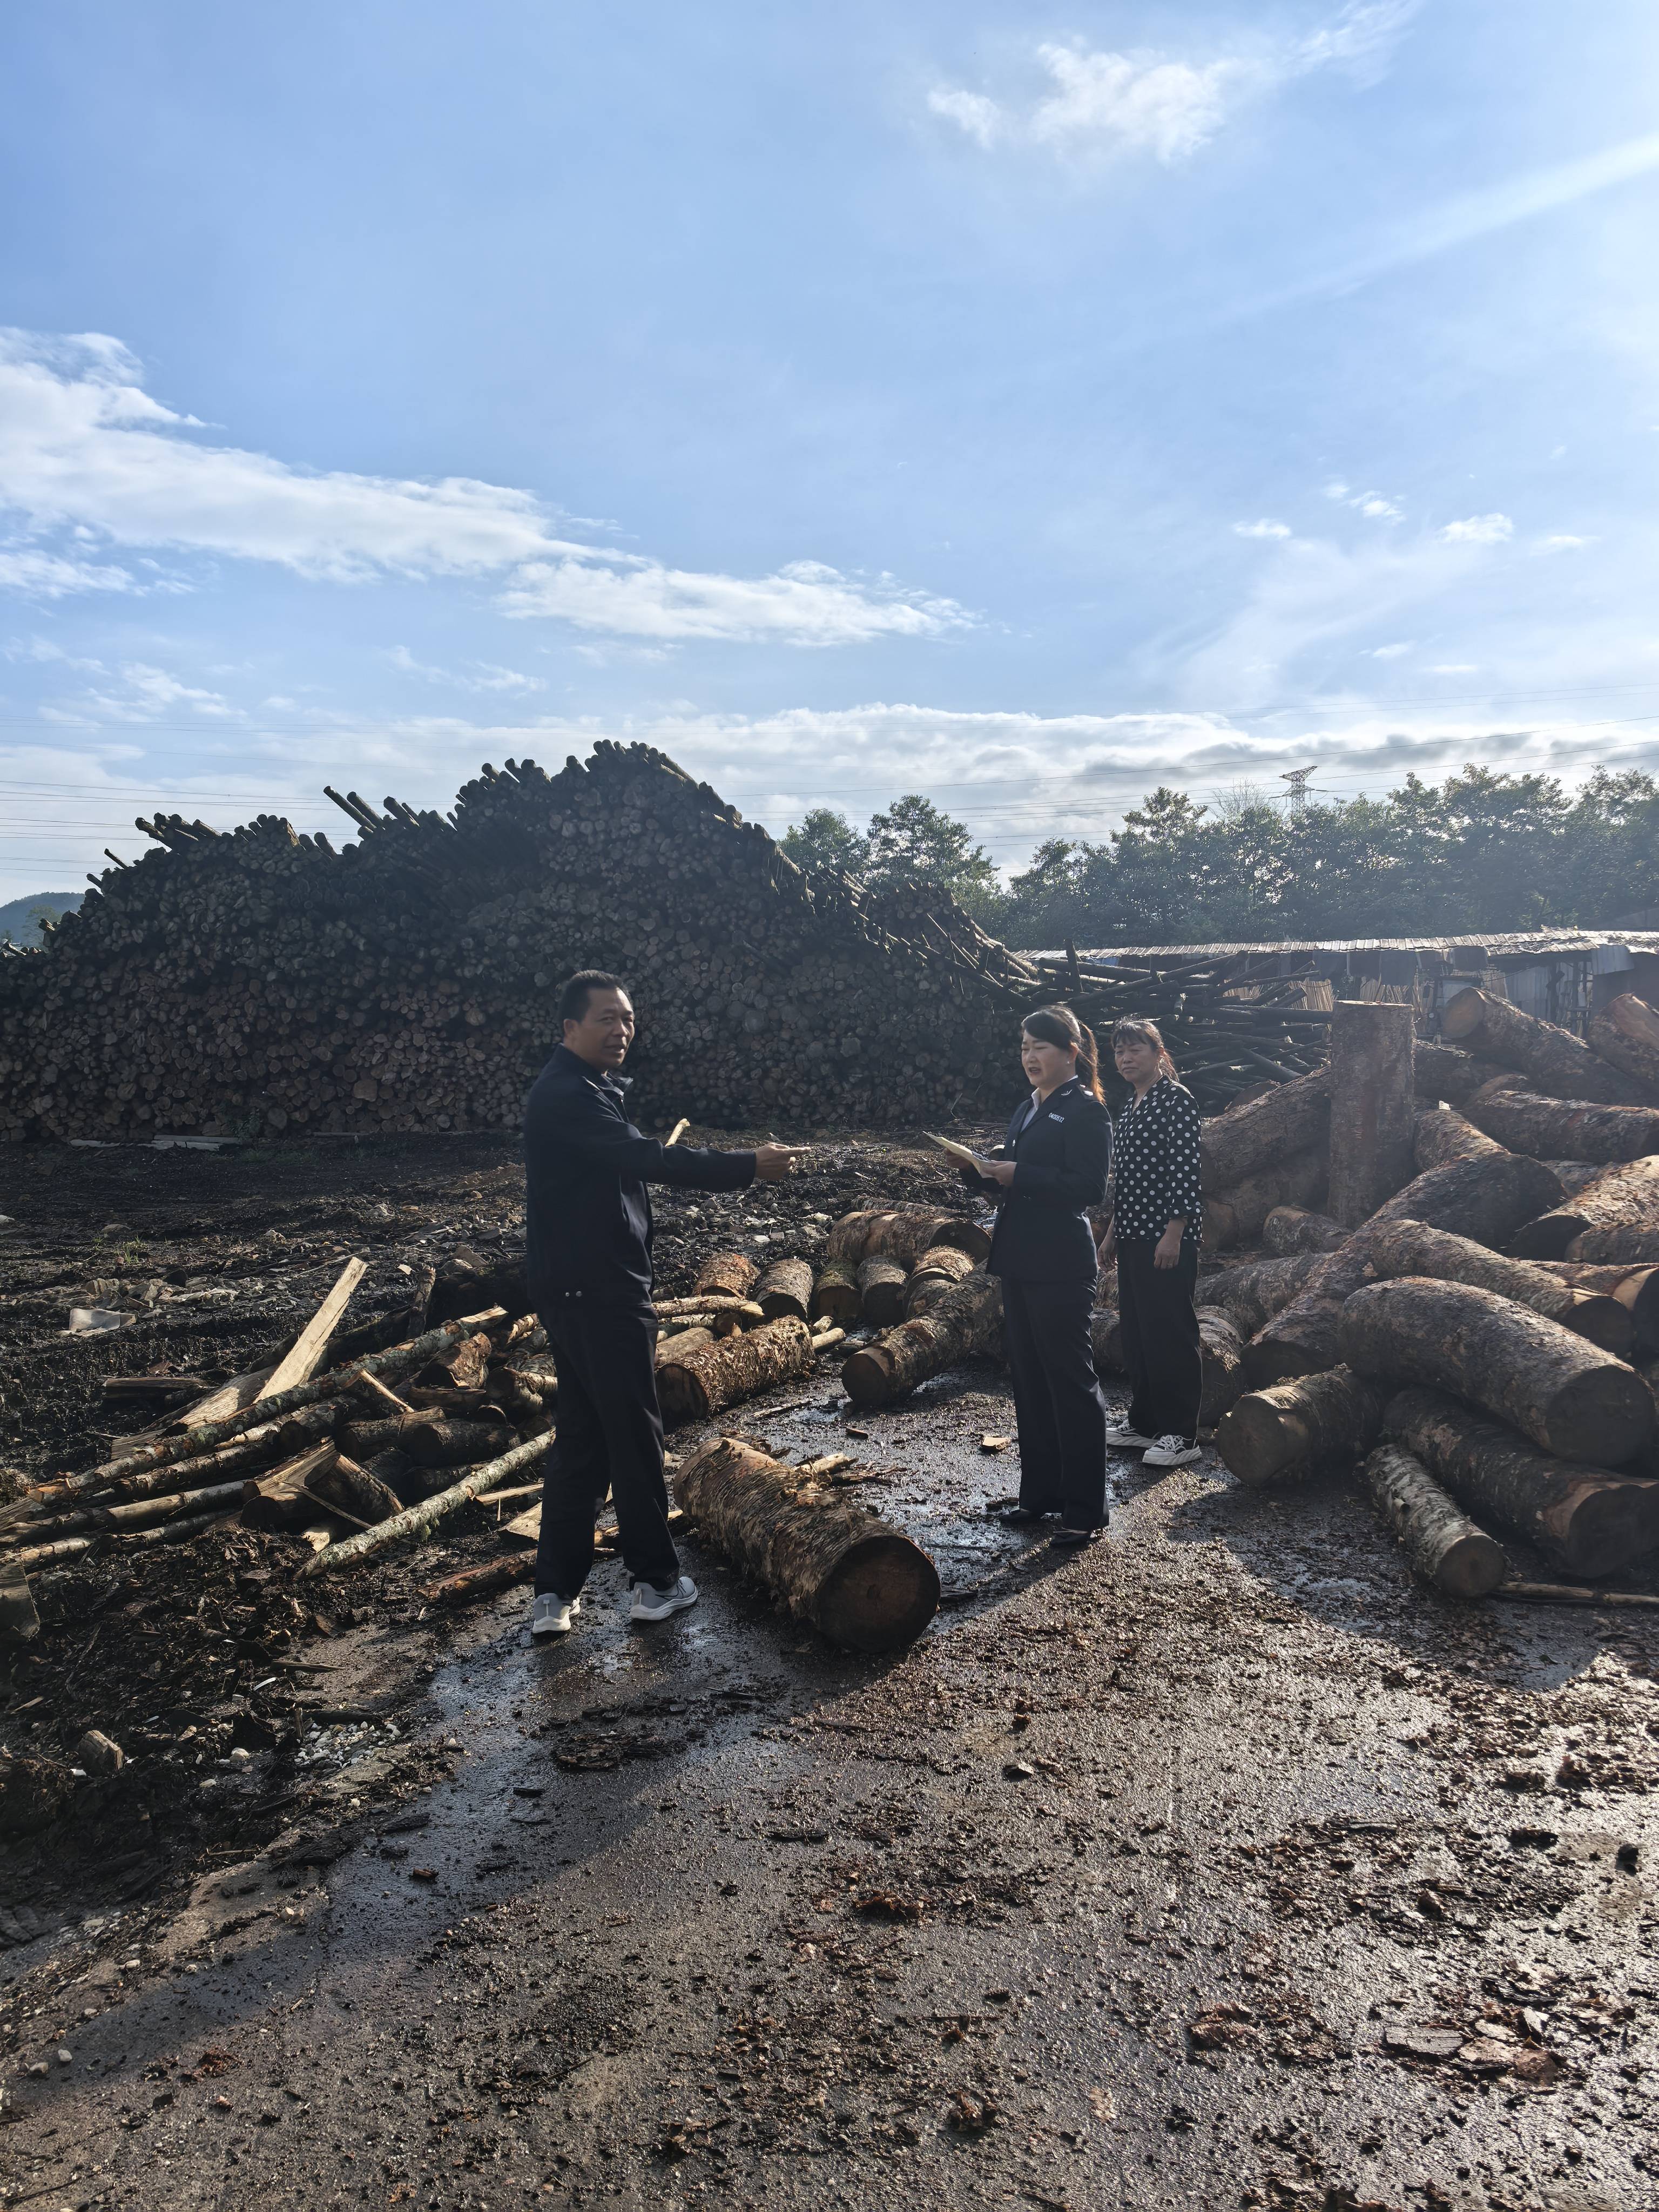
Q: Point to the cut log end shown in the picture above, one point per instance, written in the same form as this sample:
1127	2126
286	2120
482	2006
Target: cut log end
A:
881	1597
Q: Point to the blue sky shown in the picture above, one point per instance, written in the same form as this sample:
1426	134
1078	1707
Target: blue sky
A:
1026	406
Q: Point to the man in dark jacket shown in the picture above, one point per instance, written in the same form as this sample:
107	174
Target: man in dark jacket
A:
589	1231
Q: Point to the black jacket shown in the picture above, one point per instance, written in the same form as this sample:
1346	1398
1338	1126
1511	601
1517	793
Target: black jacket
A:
1062	1157
587	1215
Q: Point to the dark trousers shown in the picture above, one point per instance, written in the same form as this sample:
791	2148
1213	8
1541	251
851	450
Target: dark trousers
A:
1060	1413
1160	1337
610	1438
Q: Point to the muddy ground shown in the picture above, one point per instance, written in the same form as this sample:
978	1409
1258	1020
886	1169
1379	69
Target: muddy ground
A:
1219	1866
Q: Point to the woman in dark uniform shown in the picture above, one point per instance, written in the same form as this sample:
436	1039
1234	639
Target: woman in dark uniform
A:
1156	1220
1048	1171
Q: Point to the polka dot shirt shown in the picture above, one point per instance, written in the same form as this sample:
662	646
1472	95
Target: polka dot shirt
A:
1155	1166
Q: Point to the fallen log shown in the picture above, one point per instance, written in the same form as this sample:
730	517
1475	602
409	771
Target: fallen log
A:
711	1302
784	1289
939	1267
724	1374
963	1319
1630	1242
340	1486
472	1583
1626	1034
1589	1520
1293	1118
1373	1105
903	1233
300	1364
1301	1180
1637	1289
1549	1129
1300	1338
170	1532
862	1583
1222	1350
1445	1548
1443	1134
1292	1230
1441	1072
1251	1294
731	1274
681	1341
881	1290
1553	1060
1486	1199
836	1293
1565	1593
846	1238
143	1513
413	1519
1293	1429
1575	1401
279	1499
1624	1197
1410	1248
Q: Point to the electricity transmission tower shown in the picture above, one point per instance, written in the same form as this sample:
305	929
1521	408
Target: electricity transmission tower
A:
1298	780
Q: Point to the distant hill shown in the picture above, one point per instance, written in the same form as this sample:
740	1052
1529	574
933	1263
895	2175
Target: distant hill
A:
21	921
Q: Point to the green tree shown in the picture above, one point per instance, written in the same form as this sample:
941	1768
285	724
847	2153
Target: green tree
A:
824	838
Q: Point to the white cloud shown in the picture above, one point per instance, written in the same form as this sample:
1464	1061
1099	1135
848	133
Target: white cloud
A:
1372	504
477	675
85	449
1454	668
1562	543
149	692
1479	530
49	576
1104	102
1265	528
1390	652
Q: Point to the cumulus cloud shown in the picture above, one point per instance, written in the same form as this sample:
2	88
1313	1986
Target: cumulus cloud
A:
84	448
1141	102
1479	530
1371	504
1265	528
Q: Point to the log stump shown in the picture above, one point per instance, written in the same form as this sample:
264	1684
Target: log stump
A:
1373	1105
835	1294
786	1288
1446	1549
859	1582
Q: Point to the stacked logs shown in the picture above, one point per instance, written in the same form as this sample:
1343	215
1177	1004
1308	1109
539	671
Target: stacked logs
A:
258	980
1470	1326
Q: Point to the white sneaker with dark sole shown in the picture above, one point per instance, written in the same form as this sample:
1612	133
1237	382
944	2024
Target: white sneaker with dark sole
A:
553	1615
1171	1451
652	1604
1119	1436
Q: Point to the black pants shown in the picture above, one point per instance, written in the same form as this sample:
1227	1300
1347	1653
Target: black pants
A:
610	1438
1160	1337
1057	1402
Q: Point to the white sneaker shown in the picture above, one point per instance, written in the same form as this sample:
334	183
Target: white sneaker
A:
652	1604
1119	1436
1171	1451
553	1615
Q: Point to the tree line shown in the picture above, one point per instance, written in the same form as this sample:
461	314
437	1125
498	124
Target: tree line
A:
1482	852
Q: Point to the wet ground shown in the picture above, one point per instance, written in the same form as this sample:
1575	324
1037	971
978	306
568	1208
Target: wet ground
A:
1219	1866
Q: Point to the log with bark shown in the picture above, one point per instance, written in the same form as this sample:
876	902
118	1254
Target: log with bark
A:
1589	1520
682	1340
279	1499
862	1583
881	1290
415	1520
1622	1197
836	1293
1289	1230
1237	1215
1573	1400
1293	1118
786	1288
1441	1072
1555	1061
1548	1129
1252	1294
1410	1248
724	1374
501	1573
729	1274
940	1266
1632	1243
1635	1289
1294	1429
1222	1350
1443	1134
1373	1105
1626	1034
341	1487
963	1319
1445	1547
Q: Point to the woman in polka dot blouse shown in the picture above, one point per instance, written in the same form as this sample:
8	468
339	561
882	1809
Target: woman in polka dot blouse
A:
1157	1211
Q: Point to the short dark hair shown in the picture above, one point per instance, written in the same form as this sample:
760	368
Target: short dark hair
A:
572	999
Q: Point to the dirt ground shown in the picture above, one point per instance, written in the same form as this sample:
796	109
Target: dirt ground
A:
1219	1866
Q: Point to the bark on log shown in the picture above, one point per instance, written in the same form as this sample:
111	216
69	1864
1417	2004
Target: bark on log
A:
430	1439
724	1374
498	1574
906	1233
1561	1129
1589	1520
148	1512
1624	1197
1555	1061
1289	1231
413	1519
786	1289
961	1320
1409	1247
1446	1549
1297	1429
341	1487
1443	1135
731	1274
1251	1295
1442	1072
1301	1179
1629	1242
1291	1119
846	1238
1373	1105
280	1499
939	1266
1572	1399
1626	1034
1106	1329
836	1293
681	1341
863	1584
881	1290
1222	1349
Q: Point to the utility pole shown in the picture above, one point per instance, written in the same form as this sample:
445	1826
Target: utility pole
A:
1298	780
